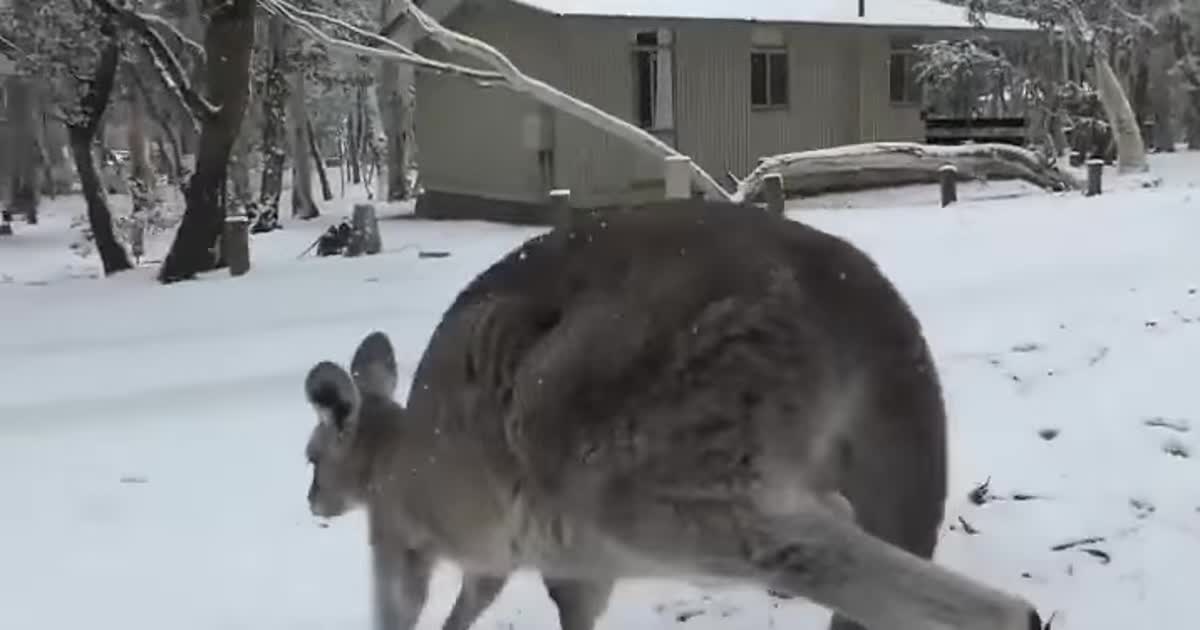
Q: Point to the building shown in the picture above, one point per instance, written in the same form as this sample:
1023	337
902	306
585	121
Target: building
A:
724	81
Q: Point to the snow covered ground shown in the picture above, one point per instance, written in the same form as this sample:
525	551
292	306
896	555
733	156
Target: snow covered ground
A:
151	438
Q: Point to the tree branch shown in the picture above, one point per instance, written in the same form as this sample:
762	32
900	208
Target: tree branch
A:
187	42
9	48
170	70
300	18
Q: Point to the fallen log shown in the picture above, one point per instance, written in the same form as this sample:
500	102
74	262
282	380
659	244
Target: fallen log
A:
885	164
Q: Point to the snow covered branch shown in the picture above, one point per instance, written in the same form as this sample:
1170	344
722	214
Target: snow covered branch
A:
303	20
883	164
169	69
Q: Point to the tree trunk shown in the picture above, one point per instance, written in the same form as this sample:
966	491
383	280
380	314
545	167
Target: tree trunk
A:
393	108
96	95
54	139
887	164
303	204
241	160
353	148
228	43
395	105
193	27
172	162
24	150
139	157
1184	47
274	117
1131	149
239	171
1192	117
1160	99
113	257
322	175
1141	95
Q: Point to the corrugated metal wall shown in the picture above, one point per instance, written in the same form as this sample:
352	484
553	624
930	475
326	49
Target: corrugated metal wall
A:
717	124
471	138
879	119
598	58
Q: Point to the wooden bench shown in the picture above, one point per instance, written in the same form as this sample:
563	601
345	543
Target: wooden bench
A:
1006	130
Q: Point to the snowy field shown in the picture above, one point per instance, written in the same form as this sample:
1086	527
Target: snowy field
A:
152	474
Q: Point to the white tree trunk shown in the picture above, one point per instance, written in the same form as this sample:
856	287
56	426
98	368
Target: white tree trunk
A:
1131	149
885	164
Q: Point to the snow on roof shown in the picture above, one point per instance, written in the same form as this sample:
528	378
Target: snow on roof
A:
900	13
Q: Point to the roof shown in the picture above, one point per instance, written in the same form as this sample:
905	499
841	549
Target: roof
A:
895	13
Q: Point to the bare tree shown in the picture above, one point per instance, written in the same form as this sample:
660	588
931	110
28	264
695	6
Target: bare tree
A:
228	44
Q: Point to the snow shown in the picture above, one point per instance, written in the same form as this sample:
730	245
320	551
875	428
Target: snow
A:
897	13
151	437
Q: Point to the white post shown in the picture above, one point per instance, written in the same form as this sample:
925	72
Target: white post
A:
678	176
560	207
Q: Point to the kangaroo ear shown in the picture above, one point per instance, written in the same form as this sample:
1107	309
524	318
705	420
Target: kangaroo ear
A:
332	392
374	366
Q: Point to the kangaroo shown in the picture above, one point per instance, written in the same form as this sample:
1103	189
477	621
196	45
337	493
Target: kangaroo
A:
694	390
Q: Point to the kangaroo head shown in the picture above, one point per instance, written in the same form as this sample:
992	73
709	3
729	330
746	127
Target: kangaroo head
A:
340	448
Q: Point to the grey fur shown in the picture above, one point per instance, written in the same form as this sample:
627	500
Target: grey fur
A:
692	390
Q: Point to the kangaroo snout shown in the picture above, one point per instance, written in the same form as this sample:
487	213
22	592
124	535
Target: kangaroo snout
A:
323	504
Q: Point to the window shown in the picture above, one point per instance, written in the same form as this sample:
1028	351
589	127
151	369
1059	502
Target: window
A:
768	78
654	83
903	87
768	68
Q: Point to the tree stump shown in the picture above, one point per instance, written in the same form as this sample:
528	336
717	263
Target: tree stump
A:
364	237
773	192
948	176
235	244
1095	177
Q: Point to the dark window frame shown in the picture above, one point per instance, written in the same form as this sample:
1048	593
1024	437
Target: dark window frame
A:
770	78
